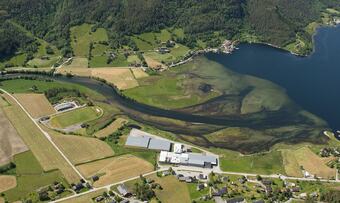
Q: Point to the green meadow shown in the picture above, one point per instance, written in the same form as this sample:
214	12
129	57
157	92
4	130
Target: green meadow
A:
30	177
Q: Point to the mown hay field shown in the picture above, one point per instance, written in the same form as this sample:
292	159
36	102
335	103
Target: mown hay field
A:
10	141
80	115
37	105
152	63
81	149
115	125
139	73
43	150
291	164
77	62
173	190
116	169
85	72
7	182
310	162
121	77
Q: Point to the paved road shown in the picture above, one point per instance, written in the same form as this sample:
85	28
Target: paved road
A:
48	137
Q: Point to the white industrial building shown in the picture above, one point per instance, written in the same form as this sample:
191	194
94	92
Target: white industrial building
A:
190	159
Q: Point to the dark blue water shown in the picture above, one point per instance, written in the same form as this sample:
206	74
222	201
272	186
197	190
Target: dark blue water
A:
313	82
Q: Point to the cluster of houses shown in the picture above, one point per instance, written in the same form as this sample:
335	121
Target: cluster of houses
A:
170	153
109	197
227	47
329	151
165	46
78	187
53	190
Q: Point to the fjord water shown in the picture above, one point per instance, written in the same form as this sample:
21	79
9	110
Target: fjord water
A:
313	82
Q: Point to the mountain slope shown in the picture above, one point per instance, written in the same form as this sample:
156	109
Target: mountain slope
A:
273	21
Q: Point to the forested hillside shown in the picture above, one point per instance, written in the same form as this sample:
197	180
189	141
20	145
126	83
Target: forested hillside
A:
273	21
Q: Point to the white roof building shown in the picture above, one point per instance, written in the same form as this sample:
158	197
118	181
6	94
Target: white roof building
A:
192	159
178	148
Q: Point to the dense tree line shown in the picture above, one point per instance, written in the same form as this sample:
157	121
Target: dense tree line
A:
12	39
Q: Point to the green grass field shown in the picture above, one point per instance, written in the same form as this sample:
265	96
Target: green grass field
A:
30	177
73	117
24	86
82	36
169	90
162	94
266	163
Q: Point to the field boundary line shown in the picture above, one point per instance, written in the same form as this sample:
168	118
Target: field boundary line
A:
47	136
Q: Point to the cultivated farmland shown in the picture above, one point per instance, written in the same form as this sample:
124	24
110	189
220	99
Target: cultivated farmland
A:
310	162
43	150
115	125
10	141
139	73
117	169
81	149
173	190
291	164
85	72
30	176
37	105
76	116
77	62
7	182
121	77
152	63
